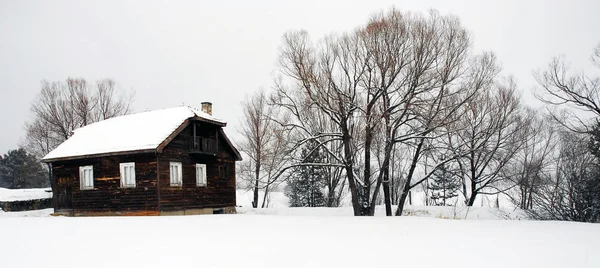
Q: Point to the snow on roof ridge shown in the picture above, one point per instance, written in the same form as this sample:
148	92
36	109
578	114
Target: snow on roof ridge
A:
195	111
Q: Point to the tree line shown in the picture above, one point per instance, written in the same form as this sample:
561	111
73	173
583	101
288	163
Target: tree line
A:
59	108
404	101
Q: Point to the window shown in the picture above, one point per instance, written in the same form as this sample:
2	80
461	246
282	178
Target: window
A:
200	175
223	172
175	168
127	175
86	177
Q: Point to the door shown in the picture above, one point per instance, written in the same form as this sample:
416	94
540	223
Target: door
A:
63	193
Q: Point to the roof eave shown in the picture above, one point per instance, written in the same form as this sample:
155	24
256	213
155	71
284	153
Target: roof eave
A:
56	159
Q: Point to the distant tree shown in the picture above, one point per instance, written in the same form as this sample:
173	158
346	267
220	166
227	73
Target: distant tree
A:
265	144
573	193
19	169
533	164
306	183
63	106
443	186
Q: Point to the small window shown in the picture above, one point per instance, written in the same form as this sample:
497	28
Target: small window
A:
127	175
200	175
175	168
86	177
223	172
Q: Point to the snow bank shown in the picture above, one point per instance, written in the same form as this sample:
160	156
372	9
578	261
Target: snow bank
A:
278	205
294	241
8	195
29	213
457	213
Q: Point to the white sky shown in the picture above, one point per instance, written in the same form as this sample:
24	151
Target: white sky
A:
188	52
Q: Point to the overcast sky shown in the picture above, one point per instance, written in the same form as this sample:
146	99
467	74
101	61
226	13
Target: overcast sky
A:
183	52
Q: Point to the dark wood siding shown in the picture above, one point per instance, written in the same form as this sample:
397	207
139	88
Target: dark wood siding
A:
219	192
107	194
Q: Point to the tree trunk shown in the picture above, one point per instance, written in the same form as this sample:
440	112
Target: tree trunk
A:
257	177
386	182
330	195
386	196
471	200
367	172
401	202
347	142
411	171
265	197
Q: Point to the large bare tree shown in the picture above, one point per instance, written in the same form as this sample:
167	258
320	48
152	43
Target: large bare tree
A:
393	77
63	106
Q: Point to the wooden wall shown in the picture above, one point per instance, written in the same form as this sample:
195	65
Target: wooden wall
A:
219	192
107	194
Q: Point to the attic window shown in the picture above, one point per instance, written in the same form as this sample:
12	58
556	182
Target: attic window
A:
223	172
127	174
86	177
175	168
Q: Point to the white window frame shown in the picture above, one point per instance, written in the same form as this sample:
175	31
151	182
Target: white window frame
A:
200	175
175	170
86	177
127	174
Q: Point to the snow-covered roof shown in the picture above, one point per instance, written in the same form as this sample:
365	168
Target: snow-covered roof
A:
133	132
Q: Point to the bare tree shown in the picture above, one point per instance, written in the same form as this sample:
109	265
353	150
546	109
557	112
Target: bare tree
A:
109	103
533	164
306	124
492	133
559	87
267	145
316	73
393	77
257	134
61	107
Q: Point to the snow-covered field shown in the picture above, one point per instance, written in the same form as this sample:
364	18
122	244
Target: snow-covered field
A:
249	240
297	237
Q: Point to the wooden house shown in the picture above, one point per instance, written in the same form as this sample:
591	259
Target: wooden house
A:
175	161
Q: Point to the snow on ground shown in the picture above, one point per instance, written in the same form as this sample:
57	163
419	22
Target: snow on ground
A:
245	240
24	194
297	237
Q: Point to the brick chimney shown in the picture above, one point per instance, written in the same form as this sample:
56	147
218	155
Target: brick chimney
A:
207	107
